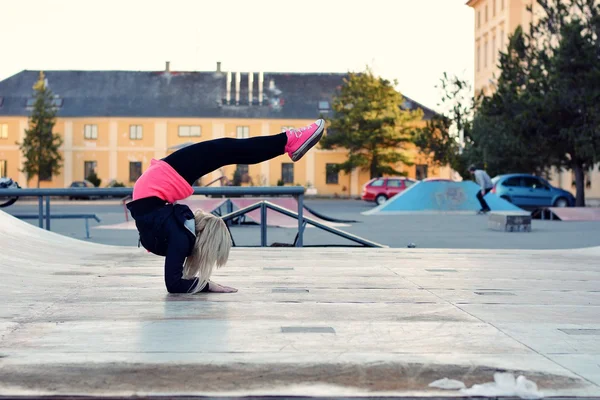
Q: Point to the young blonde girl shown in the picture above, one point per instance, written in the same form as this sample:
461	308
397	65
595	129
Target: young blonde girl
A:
193	244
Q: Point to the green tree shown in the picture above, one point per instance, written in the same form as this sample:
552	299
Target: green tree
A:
506	133
369	121
565	77
41	145
446	138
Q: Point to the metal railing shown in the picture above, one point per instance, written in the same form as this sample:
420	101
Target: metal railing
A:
41	194
254	191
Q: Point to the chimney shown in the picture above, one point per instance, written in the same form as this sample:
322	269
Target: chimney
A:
250	84
261	78
238	80
168	66
228	87
218	66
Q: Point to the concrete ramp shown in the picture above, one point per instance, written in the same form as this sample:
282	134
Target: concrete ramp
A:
440	196
79	319
275	218
205	204
568	213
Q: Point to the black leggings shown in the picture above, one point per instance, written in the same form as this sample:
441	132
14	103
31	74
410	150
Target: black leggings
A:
195	161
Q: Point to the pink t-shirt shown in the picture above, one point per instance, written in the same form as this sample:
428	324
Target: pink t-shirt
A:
162	181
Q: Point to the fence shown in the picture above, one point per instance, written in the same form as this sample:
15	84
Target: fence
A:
45	194
295	191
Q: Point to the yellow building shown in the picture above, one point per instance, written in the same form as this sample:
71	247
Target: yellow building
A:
116	122
495	21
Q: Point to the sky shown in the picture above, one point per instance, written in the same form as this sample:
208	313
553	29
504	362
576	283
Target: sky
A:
411	41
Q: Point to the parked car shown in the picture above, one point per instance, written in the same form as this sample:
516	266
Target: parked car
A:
381	189
530	191
8	183
81	184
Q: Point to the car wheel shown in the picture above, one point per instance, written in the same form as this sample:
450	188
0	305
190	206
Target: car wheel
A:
561	202
380	199
506	198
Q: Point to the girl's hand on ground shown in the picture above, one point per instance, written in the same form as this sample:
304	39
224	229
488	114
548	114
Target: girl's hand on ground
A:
216	288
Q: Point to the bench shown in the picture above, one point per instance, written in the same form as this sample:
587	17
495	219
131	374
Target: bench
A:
87	217
510	221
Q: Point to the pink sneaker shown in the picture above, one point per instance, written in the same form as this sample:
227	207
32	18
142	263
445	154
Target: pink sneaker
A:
299	141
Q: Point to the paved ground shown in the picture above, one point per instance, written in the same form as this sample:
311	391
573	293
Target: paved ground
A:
81	318
426	231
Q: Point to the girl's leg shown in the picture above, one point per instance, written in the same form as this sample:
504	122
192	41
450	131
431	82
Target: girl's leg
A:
199	159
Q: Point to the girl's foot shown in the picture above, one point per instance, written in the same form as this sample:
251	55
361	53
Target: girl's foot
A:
299	141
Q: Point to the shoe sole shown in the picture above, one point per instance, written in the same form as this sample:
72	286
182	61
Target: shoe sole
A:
314	139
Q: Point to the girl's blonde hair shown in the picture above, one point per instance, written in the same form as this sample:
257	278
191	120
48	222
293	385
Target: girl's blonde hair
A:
211	248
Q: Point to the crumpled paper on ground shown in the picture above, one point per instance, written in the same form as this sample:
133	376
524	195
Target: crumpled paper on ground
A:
447	384
504	384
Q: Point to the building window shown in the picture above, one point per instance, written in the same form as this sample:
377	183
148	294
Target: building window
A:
502	40
189	131
501	4
323	106
479	19
478	58
90	132
287	172
89	168
135	170
485	54
242	132
3	169
486	13
494	8
135	132
241	175
421	171
3	131
332	177
494	52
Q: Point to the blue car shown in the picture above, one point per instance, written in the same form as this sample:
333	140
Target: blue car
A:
529	191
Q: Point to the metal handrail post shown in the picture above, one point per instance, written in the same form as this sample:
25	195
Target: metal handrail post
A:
263	224
47	213
300	241
41	211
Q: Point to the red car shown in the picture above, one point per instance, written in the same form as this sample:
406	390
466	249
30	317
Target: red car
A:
381	189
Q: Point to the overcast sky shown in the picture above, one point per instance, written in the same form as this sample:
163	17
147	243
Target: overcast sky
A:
413	41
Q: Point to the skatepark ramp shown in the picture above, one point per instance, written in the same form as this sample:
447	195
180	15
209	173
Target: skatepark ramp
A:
440	196
568	213
82	320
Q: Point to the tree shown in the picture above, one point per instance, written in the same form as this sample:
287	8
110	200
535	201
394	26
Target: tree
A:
445	136
565	76
41	145
369	121
507	129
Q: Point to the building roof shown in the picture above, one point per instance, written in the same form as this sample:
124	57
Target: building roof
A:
178	94
471	3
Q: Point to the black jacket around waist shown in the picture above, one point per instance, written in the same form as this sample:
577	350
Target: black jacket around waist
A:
159	222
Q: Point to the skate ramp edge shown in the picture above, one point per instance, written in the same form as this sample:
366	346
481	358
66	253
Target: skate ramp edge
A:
439	196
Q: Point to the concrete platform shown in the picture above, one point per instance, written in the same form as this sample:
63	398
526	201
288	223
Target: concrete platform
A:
84	319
